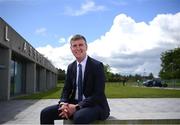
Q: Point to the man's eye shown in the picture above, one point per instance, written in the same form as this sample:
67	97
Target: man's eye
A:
80	44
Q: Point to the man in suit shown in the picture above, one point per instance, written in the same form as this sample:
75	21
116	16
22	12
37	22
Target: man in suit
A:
83	99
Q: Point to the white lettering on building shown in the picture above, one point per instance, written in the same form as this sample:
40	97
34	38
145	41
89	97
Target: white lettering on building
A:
6	34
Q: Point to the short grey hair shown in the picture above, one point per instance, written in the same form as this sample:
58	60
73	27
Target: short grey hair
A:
77	37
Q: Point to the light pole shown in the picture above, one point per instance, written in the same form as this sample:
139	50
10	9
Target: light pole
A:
144	74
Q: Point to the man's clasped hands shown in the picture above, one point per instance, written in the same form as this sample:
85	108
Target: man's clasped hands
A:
66	110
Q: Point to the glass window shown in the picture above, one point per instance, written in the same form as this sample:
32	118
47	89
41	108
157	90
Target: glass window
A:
16	78
12	78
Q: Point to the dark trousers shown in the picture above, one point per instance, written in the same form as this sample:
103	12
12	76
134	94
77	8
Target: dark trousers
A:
82	116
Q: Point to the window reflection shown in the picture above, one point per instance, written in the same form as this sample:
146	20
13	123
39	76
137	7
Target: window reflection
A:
16	77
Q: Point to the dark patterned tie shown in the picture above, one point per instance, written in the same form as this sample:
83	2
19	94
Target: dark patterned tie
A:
80	91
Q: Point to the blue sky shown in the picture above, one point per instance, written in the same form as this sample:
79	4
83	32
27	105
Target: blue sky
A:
26	16
48	24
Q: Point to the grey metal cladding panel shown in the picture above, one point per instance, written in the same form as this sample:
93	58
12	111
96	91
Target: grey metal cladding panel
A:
2	33
16	42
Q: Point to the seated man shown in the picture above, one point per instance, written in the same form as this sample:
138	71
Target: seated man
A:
83	99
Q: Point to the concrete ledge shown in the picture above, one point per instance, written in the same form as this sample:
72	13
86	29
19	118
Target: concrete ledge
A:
107	121
140	121
114	120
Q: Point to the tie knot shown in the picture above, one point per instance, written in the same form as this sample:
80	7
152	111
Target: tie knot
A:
79	65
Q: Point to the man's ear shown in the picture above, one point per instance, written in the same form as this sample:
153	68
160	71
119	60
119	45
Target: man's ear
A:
71	48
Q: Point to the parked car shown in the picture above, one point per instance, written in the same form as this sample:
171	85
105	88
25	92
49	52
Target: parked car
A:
154	83
148	83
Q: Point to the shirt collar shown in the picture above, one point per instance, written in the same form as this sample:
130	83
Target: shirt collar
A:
83	63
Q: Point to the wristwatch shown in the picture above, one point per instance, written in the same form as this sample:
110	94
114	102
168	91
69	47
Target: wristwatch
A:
77	107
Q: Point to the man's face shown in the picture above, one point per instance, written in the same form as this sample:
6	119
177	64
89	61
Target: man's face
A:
79	48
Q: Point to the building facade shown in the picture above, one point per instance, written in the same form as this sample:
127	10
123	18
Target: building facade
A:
23	70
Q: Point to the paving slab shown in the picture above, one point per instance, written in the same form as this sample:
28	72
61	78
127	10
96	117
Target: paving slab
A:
28	111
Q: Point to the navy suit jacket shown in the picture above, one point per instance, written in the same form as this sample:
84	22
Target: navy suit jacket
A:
93	86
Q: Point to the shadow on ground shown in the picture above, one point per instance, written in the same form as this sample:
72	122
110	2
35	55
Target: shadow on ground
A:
11	109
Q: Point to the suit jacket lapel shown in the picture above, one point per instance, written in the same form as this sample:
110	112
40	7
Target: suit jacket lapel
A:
86	72
74	72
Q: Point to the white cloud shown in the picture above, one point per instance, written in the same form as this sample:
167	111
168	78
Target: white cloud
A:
62	40
59	56
41	31
129	47
88	6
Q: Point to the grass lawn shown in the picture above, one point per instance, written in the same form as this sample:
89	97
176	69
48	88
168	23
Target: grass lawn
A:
114	90
51	94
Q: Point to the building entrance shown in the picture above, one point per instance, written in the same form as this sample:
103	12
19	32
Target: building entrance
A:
16	78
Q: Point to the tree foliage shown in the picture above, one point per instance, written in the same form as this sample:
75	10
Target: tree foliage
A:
170	63
61	74
117	77
110	76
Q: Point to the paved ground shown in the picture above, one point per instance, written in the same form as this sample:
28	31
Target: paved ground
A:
28	111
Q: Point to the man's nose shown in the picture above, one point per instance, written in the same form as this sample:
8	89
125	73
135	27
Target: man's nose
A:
78	47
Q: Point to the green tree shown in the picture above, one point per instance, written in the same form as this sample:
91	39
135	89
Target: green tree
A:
107	71
170	64
61	74
150	76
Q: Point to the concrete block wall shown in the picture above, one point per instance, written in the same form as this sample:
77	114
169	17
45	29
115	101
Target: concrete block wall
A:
5	55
